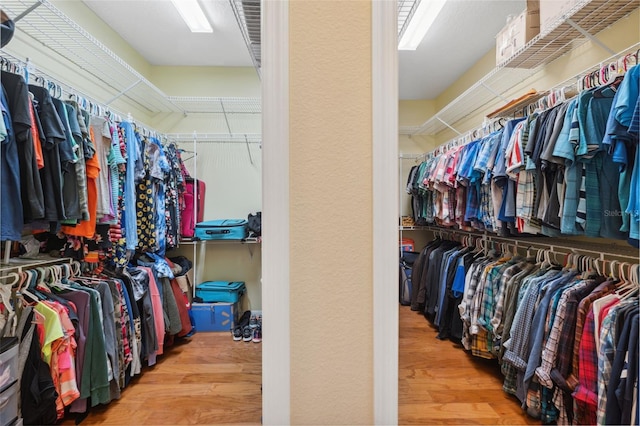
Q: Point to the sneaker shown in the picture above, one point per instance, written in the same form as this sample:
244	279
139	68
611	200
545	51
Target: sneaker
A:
246	334
253	322
257	335
237	334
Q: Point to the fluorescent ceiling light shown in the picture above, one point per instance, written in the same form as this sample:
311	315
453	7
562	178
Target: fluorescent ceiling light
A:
193	15
422	19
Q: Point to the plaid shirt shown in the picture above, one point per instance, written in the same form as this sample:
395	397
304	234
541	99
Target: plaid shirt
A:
486	207
464	308
489	297
605	359
518	344
476	301
472	280
482	345
585	395
512	276
483	299
562	396
550	351
512	301
583	308
484	153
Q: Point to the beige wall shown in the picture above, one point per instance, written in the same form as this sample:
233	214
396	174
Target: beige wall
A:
242	82
233	190
331	289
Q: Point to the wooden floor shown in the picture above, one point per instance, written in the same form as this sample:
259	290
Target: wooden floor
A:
439	383
213	380
209	379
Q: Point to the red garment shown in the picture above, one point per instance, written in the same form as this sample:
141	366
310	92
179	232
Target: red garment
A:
586	393
180	301
182	308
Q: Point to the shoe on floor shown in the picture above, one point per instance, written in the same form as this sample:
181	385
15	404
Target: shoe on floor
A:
237	334
253	322
257	335
247	335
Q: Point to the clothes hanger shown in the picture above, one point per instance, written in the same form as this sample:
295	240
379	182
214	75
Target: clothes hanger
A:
13	275
629	288
23	289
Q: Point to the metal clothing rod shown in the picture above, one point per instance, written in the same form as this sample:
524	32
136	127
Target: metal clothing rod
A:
589	36
557	87
19	264
526	241
81	98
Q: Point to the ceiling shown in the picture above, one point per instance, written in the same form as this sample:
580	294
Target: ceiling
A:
464	32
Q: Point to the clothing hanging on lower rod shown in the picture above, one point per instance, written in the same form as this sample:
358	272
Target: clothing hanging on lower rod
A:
85	336
560	329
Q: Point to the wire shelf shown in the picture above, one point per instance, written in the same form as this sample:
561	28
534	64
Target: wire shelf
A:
61	36
590	15
406	8
248	15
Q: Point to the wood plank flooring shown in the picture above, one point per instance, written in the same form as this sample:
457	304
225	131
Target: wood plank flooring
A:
207	379
441	384
210	379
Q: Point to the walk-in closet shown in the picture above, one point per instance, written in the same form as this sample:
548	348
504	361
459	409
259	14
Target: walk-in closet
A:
319	212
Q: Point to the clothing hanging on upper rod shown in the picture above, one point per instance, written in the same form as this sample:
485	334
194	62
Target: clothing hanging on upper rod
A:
516	182
48	135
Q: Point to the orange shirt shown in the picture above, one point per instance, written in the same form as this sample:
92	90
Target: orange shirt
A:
36	138
87	228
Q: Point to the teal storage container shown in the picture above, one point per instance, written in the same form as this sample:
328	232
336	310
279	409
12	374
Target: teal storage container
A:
220	291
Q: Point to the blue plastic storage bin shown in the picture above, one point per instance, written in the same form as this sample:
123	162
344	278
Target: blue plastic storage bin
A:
214	316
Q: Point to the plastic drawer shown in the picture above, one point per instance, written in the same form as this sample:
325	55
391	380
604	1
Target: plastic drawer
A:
8	362
9	405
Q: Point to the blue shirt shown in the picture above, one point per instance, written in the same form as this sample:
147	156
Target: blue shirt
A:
133	155
627	96
11	221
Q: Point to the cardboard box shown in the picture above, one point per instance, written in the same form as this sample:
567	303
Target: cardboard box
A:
554	11
518	32
215	316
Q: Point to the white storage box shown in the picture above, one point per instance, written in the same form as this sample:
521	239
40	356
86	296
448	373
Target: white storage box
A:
518	32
